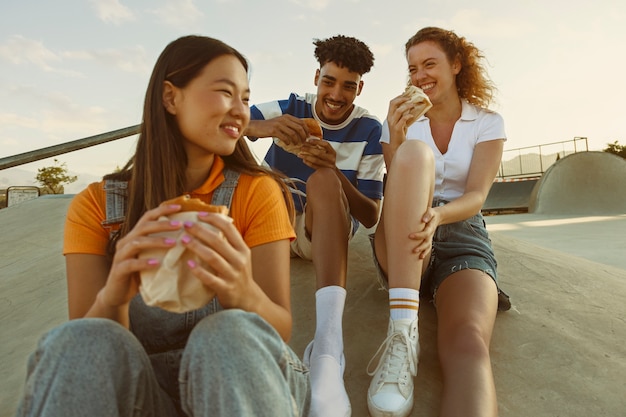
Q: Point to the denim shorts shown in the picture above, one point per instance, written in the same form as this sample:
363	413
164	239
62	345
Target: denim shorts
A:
456	246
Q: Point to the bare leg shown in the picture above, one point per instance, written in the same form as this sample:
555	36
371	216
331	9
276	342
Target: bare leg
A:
408	193
328	226
467	303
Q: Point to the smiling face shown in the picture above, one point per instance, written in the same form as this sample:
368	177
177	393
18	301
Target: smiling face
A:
430	70
212	110
337	88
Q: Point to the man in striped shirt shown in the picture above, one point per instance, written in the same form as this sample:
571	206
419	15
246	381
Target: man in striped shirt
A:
338	184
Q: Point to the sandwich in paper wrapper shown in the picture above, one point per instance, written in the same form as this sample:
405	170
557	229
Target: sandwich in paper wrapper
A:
315	132
172	286
419	99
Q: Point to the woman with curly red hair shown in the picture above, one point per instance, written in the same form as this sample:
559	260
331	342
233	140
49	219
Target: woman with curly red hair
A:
431	238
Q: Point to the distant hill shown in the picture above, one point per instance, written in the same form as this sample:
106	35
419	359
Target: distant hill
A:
530	163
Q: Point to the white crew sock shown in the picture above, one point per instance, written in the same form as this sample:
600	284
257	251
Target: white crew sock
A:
329	303
403	303
328	393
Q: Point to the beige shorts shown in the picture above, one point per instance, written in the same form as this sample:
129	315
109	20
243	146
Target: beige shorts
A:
301	245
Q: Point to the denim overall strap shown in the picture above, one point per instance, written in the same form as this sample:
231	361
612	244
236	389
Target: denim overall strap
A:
223	196
116	195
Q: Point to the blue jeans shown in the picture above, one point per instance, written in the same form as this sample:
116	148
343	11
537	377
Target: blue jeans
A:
233	364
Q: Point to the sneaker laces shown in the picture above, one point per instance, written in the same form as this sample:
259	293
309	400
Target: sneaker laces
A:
395	357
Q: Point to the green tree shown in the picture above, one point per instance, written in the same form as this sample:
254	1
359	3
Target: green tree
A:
617	149
52	178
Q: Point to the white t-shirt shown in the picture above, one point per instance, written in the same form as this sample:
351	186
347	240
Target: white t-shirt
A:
451	169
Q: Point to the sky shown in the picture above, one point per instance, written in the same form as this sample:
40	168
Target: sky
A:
71	69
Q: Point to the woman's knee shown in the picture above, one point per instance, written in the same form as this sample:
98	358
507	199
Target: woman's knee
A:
463	341
413	154
234	334
227	327
90	337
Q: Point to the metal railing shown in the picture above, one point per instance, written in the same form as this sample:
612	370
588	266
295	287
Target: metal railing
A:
533	161
43	153
24	158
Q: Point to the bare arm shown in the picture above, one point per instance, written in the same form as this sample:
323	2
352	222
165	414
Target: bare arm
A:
398	117
287	128
271	270
483	170
99	289
363	208
86	275
320	154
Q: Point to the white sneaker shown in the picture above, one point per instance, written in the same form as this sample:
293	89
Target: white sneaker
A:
391	390
329	399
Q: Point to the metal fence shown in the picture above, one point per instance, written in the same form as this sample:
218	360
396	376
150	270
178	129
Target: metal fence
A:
533	161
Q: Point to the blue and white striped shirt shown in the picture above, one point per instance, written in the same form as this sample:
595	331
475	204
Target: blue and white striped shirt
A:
356	141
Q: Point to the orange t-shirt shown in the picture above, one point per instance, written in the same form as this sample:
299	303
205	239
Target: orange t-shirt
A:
258	211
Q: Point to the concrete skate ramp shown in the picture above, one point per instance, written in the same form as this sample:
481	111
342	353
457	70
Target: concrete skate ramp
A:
583	183
509	196
558	352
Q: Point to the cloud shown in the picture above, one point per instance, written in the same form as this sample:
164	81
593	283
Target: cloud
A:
111	11
181	14
12	119
131	59
65	116
61	116
472	21
19	50
316	5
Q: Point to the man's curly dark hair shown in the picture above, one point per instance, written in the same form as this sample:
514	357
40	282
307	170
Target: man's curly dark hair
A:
346	52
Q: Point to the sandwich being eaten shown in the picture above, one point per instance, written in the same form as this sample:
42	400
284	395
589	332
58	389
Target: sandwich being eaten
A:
172	286
419	99
315	132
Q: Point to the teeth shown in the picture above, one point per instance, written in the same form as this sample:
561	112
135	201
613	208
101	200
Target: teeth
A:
232	128
333	106
427	86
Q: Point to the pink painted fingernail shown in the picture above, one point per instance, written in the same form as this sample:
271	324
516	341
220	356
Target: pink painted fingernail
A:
186	239
170	241
192	263
175	206
202	213
175	223
153	261
188	223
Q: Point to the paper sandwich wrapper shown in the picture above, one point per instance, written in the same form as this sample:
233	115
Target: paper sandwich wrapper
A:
315	133
419	99
172	286
291	148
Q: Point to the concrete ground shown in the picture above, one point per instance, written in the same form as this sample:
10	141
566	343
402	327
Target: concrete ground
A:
558	352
